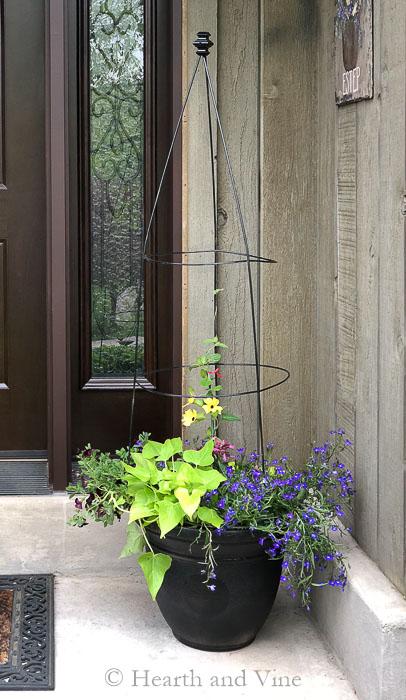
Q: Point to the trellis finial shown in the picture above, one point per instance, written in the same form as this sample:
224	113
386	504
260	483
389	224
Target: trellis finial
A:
203	43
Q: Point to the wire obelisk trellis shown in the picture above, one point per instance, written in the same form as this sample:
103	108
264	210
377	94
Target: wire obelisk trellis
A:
215	256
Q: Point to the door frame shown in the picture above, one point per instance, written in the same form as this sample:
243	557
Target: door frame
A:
59	65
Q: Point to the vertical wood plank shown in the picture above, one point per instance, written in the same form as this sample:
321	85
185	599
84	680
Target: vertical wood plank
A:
347	277
197	282
367	270
391	184
324	384
288	216
237	79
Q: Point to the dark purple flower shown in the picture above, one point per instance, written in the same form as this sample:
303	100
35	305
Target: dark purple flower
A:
90	499
87	453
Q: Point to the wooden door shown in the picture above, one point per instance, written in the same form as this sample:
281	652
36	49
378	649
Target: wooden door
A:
23	379
124	97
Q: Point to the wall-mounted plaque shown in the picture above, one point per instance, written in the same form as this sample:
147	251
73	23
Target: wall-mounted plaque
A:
354	50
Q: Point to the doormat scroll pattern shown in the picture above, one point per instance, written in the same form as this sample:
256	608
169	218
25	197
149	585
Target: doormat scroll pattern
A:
27	632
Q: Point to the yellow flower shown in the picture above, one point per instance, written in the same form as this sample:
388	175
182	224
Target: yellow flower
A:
231	464
271	470
212	405
189	401
189	417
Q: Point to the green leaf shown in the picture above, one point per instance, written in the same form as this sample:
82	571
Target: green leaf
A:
170	515
216	291
205	382
203	373
213	357
201	458
221	345
186	475
210	478
217	388
208	515
229	417
134	485
188	501
152	449
170	448
209	341
165	487
169	474
138	512
145	469
135	541
142	506
154	567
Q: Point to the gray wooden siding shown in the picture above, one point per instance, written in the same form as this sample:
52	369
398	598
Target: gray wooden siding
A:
323	187
361	157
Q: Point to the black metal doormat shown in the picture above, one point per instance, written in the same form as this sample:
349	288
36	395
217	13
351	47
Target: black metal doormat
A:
27	632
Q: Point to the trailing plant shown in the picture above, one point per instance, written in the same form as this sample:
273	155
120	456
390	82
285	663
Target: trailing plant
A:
98	487
296	510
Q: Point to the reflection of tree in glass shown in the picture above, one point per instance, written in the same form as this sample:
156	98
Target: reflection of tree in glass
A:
116	158
115	360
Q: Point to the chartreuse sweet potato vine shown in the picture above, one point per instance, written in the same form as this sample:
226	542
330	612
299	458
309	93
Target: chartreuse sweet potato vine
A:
165	484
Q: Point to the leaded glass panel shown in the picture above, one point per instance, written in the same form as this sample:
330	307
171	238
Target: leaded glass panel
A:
116	36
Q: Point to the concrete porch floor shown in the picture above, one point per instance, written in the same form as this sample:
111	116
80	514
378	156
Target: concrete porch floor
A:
105	619
108	623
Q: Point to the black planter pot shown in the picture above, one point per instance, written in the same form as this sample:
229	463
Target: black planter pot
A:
246	585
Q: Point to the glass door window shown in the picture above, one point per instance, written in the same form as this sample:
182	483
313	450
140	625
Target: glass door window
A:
116	183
